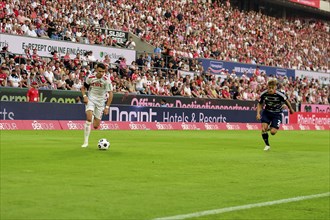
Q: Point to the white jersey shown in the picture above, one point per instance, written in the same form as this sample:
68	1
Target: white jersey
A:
98	88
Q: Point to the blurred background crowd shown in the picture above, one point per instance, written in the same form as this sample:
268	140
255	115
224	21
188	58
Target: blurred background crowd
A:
181	31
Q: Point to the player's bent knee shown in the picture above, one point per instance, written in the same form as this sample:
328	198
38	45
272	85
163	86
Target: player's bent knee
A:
273	132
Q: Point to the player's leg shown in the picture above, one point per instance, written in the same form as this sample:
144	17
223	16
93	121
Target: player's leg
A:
87	125
264	129
97	116
265	135
96	123
273	131
275	124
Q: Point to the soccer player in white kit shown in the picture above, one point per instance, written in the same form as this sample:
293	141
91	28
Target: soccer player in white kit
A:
98	85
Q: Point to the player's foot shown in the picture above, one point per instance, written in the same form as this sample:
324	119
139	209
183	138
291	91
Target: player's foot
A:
84	145
267	148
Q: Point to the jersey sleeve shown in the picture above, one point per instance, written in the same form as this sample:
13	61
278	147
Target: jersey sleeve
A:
282	95
108	86
88	80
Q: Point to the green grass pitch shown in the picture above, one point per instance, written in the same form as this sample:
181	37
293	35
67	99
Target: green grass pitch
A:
152	174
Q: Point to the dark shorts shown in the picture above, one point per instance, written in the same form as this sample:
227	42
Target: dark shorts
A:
271	118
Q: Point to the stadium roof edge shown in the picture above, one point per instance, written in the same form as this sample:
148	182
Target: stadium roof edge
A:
301	7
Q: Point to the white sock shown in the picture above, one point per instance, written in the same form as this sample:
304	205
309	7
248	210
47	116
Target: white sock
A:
87	131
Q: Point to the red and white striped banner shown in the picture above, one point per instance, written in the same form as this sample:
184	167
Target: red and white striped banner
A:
107	125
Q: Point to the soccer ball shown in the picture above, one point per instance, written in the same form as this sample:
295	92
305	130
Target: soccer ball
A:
103	144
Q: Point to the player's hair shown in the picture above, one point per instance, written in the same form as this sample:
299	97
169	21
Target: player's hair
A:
272	83
101	65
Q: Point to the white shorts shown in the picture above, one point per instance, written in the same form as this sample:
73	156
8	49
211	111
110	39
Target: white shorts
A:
96	109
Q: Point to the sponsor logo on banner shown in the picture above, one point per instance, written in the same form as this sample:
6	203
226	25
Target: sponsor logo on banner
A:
216	66
310	118
121	37
162	126
319	127
281	72
42	125
233	126
135	126
109	126
186	126
287	127
8	126
252	126
75	126
304	127
118	114
313	119
211	126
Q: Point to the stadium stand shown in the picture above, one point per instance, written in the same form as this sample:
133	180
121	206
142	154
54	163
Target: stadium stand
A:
185	28
182	31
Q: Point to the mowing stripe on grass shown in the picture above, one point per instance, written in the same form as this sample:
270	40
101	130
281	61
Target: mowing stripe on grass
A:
242	207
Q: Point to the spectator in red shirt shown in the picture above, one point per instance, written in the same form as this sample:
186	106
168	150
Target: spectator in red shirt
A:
135	75
225	92
4	73
77	59
33	93
35	55
154	89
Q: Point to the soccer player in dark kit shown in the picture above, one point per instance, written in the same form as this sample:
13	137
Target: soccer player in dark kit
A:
271	116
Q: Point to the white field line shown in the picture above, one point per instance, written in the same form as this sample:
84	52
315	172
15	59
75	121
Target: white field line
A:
242	207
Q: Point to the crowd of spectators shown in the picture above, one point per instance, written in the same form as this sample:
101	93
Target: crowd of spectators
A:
202	29
186	28
141	78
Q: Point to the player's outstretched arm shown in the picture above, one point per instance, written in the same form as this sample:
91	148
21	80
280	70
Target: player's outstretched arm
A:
289	106
107	106
110	97
259	108
83	92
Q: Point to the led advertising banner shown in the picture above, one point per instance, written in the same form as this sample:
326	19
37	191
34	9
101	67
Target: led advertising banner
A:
311	3
315	108
54	111
217	66
65	96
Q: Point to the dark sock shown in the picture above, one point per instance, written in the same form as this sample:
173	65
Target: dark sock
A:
265	137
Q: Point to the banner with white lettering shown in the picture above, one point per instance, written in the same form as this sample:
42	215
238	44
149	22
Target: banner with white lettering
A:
17	44
43	111
306	118
121	37
218	66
